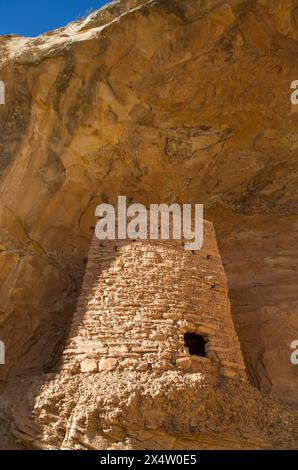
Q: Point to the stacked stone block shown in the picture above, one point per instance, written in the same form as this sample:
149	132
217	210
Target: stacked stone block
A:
139	298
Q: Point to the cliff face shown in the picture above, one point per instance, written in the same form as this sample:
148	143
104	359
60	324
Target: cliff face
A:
164	101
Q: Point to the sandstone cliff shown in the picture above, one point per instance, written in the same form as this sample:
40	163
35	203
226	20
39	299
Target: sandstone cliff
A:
163	100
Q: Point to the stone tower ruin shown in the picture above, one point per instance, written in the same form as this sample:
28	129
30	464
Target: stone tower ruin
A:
152	305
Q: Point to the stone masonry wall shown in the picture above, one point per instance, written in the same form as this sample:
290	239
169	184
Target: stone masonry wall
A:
139	298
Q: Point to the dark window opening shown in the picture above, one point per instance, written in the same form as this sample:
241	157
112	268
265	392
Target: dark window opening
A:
196	344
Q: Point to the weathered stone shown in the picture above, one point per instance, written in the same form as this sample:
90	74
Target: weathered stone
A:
142	367
108	363
129	363
227	372
183	363
103	323
191	106
158	336
232	365
89	365
162	365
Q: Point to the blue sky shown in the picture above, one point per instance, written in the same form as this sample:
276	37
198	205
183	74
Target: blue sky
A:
34	17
